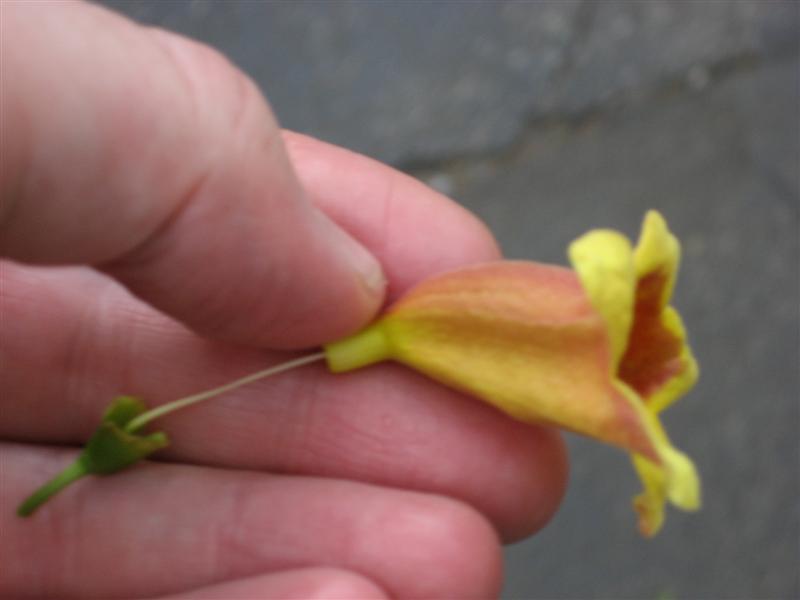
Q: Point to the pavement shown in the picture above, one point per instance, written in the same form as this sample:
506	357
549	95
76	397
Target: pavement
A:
550	118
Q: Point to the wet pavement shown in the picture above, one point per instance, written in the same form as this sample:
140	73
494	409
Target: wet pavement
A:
550	118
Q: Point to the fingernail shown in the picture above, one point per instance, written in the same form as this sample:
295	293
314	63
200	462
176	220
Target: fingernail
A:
367	267
363	263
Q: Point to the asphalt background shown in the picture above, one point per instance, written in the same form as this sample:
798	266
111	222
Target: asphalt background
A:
550	118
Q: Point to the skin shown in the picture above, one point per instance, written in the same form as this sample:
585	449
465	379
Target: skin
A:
162	235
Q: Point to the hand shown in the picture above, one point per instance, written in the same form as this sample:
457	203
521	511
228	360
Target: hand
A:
212	244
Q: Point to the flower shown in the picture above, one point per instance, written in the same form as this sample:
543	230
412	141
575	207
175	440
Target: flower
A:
597	351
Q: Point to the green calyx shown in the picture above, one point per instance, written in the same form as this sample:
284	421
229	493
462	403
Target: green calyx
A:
110	449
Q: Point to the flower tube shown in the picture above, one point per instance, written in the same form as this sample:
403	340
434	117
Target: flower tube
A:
596	350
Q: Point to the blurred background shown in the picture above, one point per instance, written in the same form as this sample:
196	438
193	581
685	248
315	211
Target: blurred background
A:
550	118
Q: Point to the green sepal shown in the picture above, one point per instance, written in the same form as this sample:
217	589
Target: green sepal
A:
110	449
123	410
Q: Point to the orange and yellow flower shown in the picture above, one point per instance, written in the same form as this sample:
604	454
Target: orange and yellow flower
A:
597	350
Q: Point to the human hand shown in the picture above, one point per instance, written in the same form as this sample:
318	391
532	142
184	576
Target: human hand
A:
154	162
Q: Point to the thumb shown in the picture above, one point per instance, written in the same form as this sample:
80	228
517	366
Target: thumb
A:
152	158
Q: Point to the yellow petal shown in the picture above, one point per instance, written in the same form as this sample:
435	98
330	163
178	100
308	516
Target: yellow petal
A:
656	365
657	250
603	260
658	362
688	372
649	504
674	480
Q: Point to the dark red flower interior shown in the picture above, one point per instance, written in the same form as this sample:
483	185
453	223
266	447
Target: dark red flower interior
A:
653	356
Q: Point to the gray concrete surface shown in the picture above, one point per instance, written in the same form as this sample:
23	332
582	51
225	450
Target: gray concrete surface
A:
550	118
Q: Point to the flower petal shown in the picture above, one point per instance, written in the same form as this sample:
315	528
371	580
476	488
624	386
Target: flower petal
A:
658	362
649	504
675	479
657	251
631	289
604	262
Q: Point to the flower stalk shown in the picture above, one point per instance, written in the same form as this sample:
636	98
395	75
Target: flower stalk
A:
72	473
165	409
118	442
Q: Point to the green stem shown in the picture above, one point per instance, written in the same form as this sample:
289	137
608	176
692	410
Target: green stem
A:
160	411
74	471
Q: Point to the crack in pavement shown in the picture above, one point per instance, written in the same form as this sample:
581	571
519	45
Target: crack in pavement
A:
668	89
